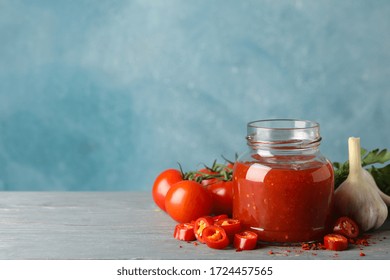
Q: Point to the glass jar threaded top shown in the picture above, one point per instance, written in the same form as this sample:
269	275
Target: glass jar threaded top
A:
283	134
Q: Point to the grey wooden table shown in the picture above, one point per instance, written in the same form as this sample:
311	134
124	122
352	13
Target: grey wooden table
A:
124	225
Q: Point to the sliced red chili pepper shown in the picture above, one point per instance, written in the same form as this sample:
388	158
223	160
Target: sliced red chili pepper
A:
246	240
184	232
200	224
231	226
347	227
335	242
215	237
220	217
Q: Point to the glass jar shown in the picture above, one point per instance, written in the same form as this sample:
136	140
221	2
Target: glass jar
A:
283	186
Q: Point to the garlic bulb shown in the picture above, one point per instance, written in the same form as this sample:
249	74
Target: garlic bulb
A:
358	196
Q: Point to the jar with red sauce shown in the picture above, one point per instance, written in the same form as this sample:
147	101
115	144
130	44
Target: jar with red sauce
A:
283	186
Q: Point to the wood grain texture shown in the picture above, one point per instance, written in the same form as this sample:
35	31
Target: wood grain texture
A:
123	225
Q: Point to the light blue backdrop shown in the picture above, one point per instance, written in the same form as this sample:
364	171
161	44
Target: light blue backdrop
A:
103	95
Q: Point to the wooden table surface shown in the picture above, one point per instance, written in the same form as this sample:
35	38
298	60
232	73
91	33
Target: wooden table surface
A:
125	225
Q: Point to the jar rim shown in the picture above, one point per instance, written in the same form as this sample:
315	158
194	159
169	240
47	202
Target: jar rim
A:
283	134
283	124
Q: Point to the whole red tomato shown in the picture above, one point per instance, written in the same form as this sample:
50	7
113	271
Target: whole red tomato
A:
222	194
187	200
163	183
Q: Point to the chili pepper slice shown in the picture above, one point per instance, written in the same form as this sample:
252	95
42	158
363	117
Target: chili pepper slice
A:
184	232
347	227
246	240
335	242
220	217
200	224
231	226
215	237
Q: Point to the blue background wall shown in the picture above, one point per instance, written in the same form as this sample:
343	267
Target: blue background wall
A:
103	95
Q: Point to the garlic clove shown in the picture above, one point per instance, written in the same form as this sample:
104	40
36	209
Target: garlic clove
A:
379	206
358	196
384	196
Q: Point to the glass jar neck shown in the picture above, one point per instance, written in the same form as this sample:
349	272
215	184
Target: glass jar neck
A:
286	136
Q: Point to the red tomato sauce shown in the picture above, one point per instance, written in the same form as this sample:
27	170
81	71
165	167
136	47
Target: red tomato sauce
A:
281	204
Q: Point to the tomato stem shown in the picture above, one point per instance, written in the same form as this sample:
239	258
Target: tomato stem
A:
183	175
228	160
219	171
